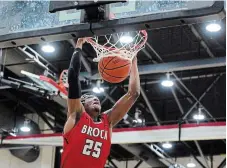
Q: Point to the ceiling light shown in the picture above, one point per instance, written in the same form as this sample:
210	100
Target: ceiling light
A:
167	145
48	48
191	165
25	129
101	89
98	90
126	39
213	27
167	82
199	117
139	120
134	121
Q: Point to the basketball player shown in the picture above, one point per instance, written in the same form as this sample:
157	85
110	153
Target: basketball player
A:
87	131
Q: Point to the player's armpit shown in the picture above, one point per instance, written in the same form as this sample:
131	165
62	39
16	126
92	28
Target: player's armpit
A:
75	110
121	107
74	105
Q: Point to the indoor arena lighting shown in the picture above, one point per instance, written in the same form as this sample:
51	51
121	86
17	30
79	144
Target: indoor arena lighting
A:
48	48
213	27
191	164
98	89
25	127
139	120
199	115
12	134
167	145
167	82
126	39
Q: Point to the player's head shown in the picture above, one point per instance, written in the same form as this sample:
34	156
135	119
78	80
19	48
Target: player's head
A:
91	104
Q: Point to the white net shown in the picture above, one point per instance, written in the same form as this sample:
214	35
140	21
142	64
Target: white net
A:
124	44
64	78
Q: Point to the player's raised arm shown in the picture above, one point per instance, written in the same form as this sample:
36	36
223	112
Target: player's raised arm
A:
123	105
75	107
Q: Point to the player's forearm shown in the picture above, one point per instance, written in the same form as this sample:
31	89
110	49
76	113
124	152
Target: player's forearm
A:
74	90
73	75
134	80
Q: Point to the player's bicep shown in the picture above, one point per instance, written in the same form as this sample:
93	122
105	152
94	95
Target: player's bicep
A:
70	123
75	110
74	105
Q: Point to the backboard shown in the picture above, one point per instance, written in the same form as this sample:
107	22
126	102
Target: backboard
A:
29	22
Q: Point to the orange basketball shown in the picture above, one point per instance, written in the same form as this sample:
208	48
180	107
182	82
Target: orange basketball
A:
114	69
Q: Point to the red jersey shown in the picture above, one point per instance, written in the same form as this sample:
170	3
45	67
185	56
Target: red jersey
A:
88	144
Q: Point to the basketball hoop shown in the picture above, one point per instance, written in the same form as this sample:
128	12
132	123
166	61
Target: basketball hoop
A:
63	80
108	46
112	45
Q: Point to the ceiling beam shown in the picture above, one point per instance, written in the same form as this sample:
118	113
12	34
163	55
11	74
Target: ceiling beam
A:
159	81
202	42
176	99
103	101
44	118
201	154
145	155
185	115
173	66
193	152
37	58
201	97
138	164
29	107
151	110
222	164
112	163
16	57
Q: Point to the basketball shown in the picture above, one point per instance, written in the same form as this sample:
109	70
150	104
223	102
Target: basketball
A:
114	69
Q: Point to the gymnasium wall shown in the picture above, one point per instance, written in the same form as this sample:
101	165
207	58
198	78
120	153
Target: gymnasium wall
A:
45	159
131	164
217	159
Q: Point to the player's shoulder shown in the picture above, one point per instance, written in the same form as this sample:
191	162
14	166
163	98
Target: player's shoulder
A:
106	112
105	115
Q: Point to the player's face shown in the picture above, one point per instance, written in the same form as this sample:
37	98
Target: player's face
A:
93	105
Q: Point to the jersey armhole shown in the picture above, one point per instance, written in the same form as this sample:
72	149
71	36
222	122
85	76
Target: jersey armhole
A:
105	117
67	135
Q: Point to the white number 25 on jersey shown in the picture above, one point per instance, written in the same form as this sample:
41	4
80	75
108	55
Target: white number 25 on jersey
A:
92	148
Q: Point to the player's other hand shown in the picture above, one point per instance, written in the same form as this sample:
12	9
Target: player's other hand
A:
80	42
134	60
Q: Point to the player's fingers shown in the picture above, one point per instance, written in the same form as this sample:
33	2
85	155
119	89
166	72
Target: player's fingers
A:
134	59
85	39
